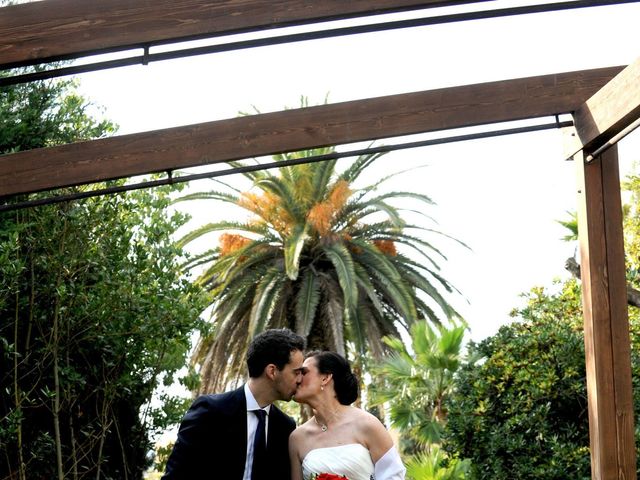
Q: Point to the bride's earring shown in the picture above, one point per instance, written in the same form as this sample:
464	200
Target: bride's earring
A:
321	387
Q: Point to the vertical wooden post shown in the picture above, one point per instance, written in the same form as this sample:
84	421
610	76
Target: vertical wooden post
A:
606	322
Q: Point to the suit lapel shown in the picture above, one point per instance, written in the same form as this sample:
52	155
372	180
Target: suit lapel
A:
237	433
275	427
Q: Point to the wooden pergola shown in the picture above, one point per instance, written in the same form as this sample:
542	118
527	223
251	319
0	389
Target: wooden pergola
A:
604	103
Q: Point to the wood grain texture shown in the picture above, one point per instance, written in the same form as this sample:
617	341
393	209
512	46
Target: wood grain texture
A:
620	341
53	29
298	129
606	324
610	110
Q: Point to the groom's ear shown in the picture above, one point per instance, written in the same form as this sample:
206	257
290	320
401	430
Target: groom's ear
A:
270	371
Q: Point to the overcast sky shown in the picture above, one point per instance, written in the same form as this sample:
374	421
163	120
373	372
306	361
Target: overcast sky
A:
502	196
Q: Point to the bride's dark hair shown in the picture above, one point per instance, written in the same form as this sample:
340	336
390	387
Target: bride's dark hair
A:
345	382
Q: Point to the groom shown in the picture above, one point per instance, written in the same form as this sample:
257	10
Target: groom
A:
227	436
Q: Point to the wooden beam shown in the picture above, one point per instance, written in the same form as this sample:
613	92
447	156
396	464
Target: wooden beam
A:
297	129
609	111
606	323
57	29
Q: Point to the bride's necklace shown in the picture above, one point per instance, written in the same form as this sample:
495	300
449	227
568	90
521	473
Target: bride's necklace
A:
323	426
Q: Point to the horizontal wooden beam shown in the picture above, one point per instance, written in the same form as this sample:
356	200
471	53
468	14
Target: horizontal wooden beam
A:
298	129
610	110
57	29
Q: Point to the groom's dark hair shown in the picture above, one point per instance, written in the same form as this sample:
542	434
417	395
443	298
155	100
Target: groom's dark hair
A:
272	346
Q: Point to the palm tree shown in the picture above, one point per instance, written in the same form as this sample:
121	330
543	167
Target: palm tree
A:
436	465
318	256
416	384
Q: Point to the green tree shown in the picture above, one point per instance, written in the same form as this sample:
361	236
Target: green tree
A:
414	384
318	256
94	312
42	114
522	411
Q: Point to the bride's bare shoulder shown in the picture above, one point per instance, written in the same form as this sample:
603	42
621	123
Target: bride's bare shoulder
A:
366	422
363	415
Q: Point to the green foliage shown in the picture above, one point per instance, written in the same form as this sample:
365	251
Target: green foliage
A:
521	412
94	313
42	114
631	223
435	465
319	256
415	385
572	225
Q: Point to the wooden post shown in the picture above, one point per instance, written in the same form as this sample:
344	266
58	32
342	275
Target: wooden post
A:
606	323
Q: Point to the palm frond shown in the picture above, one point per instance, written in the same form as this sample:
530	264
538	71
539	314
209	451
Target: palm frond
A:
332	315
293	245
307	300
358	332
320	181
254	176
387	278
223	226
264	300
211	195
572	225
365	284
358	166
202	258
226	184
344	268
284	192
421	283
402	194
391	211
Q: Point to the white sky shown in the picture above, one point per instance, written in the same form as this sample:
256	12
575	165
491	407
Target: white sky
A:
501	196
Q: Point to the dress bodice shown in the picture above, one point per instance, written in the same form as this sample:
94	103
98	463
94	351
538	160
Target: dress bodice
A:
352	460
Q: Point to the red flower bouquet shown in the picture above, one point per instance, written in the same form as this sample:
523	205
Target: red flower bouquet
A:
329	476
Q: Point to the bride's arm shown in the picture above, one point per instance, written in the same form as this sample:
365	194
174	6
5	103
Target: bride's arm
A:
389	466
387	462
294	457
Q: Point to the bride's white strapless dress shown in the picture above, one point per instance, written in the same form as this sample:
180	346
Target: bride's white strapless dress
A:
352	461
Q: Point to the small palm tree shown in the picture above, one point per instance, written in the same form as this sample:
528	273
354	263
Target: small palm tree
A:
436	465
415	385
318	256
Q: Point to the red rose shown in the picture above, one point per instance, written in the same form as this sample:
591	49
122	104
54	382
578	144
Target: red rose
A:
330	476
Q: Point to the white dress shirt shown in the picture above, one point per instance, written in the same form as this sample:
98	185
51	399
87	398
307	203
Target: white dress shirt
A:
252	425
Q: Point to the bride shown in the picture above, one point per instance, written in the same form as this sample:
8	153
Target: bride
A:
339	439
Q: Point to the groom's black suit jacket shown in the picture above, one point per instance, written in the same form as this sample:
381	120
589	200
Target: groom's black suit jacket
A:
212	440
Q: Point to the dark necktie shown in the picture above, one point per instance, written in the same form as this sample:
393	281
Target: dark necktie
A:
258	469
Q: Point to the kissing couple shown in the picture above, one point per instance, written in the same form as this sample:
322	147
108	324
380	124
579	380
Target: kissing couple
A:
241	435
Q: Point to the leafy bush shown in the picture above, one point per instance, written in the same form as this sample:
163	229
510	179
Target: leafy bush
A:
94	312
521	412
